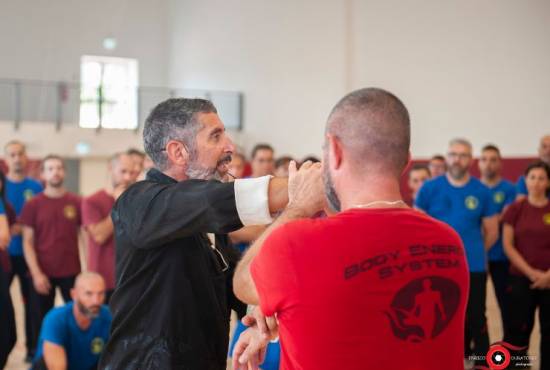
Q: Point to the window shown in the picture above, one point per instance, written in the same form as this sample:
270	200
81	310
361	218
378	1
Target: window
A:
108	92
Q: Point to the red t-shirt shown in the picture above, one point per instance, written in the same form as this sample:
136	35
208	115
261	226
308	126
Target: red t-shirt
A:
376	289
101	258
56	223
531	233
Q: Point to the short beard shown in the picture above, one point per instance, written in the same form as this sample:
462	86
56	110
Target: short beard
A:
56	185
195	171
457	173
330	192
86	312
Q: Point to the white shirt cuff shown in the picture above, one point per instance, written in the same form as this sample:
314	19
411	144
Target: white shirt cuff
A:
252	200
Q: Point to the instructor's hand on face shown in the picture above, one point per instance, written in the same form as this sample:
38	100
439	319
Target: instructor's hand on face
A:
305	188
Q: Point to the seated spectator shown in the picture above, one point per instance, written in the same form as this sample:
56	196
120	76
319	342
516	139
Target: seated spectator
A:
418	174
526	238
73	336
281	166
437	165
138	158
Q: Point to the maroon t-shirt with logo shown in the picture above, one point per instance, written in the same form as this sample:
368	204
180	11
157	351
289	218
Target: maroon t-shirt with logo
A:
531	233
56	223
366	289
101	257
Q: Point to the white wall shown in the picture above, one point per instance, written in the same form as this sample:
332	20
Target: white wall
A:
464	68
44	39
478	69
288	57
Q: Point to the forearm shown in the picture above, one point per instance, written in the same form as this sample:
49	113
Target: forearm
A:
247	234
101	231
277	194
243	284
517	260
4	232
30	256
489	239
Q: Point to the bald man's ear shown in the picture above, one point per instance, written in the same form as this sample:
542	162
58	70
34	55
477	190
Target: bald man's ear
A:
335	151
177	153
73	294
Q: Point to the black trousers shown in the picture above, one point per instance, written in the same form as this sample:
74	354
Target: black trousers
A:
41	304
499	275
19	269
476	336
8	334
523	303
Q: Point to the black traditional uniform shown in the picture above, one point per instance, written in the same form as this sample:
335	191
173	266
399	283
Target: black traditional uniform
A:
171	304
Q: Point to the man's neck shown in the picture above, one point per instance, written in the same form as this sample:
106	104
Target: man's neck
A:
15	176
53	192
491	182
367	191
82	321
458	182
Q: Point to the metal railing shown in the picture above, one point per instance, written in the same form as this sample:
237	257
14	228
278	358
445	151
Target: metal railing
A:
59	103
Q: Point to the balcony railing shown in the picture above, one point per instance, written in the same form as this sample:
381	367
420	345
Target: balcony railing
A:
59	103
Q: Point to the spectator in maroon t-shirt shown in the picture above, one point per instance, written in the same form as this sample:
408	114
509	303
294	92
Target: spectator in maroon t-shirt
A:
526	238
96	219
51	223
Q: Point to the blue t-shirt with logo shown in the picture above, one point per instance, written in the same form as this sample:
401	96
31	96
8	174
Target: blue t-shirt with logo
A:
463	208
18	193
82	347
502	195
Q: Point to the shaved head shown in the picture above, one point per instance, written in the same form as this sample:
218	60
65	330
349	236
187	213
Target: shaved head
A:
373	126
85	278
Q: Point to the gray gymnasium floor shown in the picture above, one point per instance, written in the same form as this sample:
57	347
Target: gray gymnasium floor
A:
15	361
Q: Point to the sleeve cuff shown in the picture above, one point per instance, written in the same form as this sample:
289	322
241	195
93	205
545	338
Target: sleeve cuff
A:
252	200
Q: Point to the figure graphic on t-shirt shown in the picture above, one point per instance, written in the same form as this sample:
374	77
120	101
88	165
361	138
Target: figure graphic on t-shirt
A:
418	323
424	311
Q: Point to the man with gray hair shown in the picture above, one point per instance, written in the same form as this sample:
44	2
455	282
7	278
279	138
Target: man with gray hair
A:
466	204
173	280
378	285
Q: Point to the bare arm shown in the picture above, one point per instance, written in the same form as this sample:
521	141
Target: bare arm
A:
4	232
490	231
247	234
278	194
515	257
306	199
243	284
40	281
55	356
101	231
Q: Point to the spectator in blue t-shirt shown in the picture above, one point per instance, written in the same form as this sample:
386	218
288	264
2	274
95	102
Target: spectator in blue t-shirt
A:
73	336
544	155
465	204
503	193
19	190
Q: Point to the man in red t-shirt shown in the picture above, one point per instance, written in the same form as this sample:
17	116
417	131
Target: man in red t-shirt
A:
376	286
51	223
96	219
